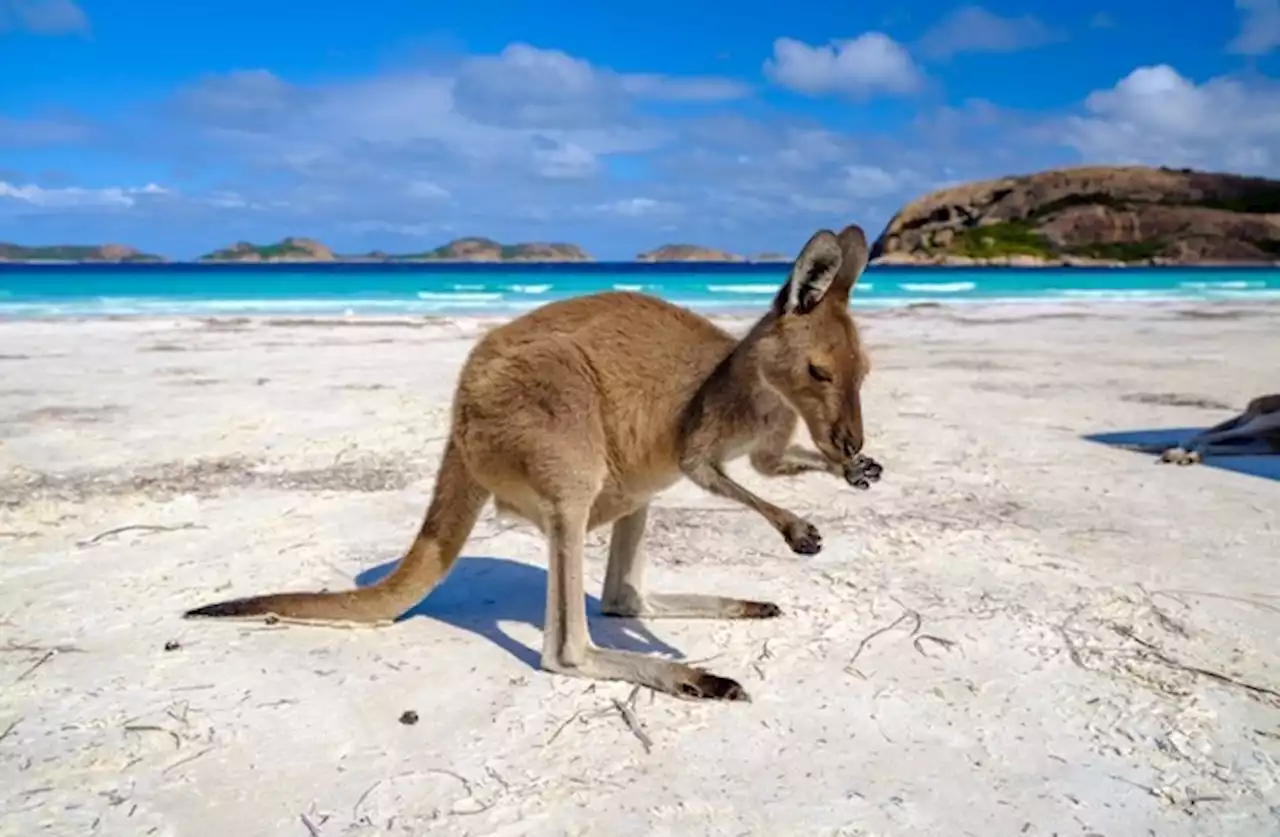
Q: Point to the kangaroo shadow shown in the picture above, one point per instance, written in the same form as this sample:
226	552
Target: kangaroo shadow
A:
481	593
1153	441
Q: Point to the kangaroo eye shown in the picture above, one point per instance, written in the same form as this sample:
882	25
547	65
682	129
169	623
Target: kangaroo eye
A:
818	373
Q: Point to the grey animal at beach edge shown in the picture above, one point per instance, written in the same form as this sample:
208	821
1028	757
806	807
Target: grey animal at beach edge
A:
576	414
1256	430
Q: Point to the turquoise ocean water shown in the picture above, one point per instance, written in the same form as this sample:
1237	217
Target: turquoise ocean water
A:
28	291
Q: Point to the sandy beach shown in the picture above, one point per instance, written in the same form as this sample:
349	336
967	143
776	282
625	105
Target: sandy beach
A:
1018	631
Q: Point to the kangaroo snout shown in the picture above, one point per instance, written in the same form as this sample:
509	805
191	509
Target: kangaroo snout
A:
849	442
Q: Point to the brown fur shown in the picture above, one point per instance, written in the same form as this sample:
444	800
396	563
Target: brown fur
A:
575	415
1254	431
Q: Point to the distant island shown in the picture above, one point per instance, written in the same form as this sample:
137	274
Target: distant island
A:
470	249
1086	216
287	250
687	253
1095	215
76	253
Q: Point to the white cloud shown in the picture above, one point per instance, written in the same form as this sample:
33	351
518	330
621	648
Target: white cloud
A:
74	197
425	189
42	17
866	65
862	181
1156	116
974	29
638	207
1259	29
41	132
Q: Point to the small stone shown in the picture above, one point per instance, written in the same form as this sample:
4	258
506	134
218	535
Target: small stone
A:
172	645
409	718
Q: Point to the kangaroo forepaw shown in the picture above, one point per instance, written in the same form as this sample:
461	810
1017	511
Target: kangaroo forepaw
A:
862	472
803	537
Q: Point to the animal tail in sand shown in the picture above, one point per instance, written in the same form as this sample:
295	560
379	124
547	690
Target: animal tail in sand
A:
455	507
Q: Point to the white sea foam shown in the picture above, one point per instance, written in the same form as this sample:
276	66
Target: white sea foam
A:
1116	293
743	289
1226	284
528	289
937	287
452	296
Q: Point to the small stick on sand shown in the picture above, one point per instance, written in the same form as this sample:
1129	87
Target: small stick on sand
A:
862	646
948	644
177	740
13	725
632	722
1162	657
60	649
187	760
312	828
136	527
48	655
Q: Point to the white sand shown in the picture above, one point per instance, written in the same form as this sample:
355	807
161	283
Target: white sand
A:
298	455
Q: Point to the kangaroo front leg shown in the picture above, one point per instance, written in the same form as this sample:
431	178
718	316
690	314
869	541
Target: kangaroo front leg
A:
801	535
624	589
790	461
775	456
566	644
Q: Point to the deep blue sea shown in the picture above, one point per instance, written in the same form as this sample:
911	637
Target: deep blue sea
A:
450	289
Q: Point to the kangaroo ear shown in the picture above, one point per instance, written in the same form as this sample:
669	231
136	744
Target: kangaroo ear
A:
854	257
812	274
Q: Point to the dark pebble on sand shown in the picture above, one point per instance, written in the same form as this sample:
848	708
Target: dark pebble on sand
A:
409	717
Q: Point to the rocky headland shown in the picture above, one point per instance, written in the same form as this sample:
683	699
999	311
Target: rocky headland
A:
1097	215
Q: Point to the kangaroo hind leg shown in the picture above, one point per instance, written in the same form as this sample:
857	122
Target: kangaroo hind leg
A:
624	586
566	645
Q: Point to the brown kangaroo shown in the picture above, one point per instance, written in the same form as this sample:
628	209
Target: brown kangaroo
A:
576	414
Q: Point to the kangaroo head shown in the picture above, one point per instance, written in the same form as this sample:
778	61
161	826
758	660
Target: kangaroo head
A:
807	348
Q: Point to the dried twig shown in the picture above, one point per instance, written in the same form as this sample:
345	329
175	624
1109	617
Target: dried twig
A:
312	828
575	716
1064	630
626	709
60	649
48	655
945	643
1173	594
862	646
177	740
1162	657
355	809
187	760
136	527
13	725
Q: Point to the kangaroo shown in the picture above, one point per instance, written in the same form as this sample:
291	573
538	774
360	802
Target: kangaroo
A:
574	415
1256	430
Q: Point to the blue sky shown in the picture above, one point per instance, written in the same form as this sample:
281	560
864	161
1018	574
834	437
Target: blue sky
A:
400	124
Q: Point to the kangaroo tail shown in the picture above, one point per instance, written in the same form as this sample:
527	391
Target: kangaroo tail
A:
455	507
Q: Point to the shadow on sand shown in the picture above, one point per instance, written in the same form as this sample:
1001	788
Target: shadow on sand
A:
480	593
1152	442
